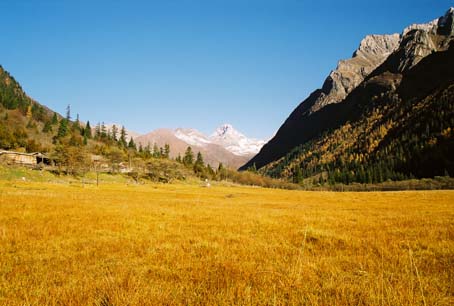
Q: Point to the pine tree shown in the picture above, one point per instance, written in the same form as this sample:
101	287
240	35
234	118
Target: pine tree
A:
210	171
123	137
114	133
98	131
47	127
62	128
131	144
68	112
188	158
166	153
199	165
87	130
297	175
221	173
54	119
178	159
103	131
199	160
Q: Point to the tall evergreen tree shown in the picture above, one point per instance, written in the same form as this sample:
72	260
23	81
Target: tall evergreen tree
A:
188	158
221	173
87	130
178	159
123	137
199	160
62	128
199	165
68	112
103	131
114	133
297	175
131	144
166	152
47	127
54	119
98	131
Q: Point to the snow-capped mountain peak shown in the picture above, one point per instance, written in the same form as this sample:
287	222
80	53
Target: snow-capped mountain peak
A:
226	136
235	142
226	131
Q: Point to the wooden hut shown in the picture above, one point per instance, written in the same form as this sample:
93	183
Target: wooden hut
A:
25	159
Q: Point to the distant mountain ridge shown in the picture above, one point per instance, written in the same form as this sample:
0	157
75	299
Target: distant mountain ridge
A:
389	80
225	145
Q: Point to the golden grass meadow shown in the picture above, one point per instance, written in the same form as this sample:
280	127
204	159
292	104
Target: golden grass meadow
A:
182	244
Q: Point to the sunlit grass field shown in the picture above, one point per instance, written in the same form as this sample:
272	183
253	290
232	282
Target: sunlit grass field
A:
176	244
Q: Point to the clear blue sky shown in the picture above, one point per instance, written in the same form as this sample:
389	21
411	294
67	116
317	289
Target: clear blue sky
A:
151	64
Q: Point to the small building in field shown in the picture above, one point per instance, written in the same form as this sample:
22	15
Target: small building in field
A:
25	159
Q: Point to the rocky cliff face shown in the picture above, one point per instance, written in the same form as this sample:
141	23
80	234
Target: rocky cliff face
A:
372	51
421	40
379	57
415	43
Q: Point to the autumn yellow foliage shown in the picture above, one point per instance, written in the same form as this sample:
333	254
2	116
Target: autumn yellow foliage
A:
182	244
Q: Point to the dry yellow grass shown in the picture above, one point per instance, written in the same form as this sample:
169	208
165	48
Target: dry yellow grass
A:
188	245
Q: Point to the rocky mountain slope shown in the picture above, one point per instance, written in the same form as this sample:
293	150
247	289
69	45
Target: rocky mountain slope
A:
368	110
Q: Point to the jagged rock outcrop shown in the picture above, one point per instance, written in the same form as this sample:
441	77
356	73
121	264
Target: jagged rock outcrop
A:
426	27
372	51
445	25
421	40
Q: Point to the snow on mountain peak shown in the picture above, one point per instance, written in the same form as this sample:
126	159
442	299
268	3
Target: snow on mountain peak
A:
235	142
224	129
192	137
225	136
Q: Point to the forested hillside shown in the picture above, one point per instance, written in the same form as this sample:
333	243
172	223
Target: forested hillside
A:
402	133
